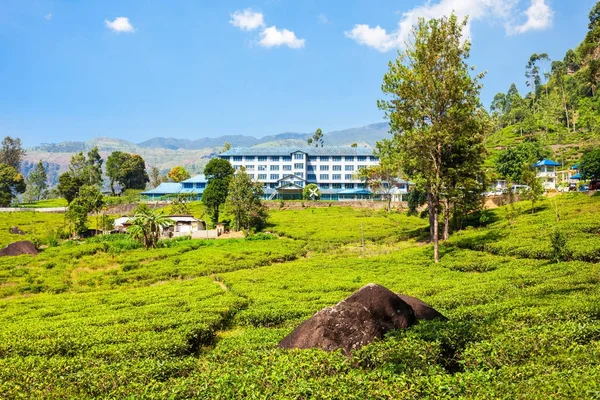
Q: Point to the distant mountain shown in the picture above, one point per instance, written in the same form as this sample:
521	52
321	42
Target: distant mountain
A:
363	136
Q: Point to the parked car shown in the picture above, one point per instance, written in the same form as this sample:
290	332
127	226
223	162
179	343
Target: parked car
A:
572	187
584	188
594	184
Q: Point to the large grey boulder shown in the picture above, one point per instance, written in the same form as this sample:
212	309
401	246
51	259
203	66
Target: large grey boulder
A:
366	315
423	311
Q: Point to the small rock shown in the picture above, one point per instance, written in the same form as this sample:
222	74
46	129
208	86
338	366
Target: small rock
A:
16	231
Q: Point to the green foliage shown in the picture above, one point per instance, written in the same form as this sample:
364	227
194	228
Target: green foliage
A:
590	165
558	241
219	174
511	161
178	174
147	226
11	183
11	152
316	139
37	183
244	202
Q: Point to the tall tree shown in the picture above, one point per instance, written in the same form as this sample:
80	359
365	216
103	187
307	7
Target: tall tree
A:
178	174
11	152
146	226
89	200
244	202
114	168
133	173
11	184
316	139
435	102
219	173
93	167
155	177
381	178
37	182
590	165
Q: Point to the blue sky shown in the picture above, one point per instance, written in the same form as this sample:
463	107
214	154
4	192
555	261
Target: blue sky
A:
73	70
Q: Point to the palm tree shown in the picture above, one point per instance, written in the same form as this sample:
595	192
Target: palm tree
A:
146	226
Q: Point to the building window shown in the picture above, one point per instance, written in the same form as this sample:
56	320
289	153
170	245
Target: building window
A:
361	158
273	185
237	158
324	167
324	177
336	158
275	158
336	167
349	177
324	158
311	177
262	158
262	176
374	158
298	156
287	158
251	176
274	167
274	177
349	186
310	167
312	158
188	185
349	158
298	166
349	167
262	167
324	185
250	158
336	185
300	174
200	185
237	167
287	167
361	186
250	167
336	177
299	183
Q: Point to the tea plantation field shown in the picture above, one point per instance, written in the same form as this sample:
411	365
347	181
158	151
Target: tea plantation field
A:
201	319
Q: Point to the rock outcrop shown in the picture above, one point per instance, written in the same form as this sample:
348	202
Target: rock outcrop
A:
423	311
19	248
366	315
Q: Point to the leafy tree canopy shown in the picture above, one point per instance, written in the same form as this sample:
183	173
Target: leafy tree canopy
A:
178	174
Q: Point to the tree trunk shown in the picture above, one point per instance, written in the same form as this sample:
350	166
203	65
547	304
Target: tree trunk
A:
565	105
436	232
446	233
430	209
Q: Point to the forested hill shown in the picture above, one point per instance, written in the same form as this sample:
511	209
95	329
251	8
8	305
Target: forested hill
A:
562	109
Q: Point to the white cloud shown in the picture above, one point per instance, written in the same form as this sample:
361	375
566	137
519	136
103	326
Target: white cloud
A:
120	24
539	16
48	16
273	37
323	18
247	20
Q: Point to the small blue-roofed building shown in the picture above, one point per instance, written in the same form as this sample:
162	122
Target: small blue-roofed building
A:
546	171
192	187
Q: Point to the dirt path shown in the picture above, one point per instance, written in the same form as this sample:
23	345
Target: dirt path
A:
221	284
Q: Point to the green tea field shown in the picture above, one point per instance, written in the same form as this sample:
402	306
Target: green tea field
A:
202	319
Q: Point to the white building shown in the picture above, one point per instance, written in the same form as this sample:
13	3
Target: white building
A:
546	171
285	171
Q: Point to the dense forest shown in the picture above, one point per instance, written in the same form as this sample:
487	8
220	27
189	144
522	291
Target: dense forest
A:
562	108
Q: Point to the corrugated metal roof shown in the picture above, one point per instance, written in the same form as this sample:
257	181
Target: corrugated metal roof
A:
547	162
196	179
165	188
311	151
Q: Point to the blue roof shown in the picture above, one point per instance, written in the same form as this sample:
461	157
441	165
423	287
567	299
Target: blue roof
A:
165	188
547	162
355	191
576	176
311	151
196	179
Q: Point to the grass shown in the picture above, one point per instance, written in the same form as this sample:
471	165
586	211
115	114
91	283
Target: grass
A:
127	322
49	203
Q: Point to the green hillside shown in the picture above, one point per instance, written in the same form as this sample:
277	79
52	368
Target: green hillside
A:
562	108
